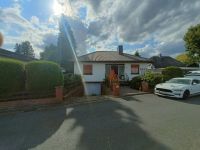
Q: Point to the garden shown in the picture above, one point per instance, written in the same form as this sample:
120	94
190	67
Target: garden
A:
32	80
148	81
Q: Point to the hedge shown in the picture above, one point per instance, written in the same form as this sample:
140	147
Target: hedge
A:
72	80
172	72
153	78
135	83
43	76
11	76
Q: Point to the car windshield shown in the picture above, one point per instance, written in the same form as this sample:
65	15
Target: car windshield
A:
180	81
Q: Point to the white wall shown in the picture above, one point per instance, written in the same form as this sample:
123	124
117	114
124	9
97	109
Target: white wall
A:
99	71
142	70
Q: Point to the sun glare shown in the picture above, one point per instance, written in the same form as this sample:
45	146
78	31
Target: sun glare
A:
60	8
57	8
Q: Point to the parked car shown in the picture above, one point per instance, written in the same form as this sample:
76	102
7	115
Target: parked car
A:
178	88
193	74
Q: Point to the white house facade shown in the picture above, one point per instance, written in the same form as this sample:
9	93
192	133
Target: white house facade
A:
95	67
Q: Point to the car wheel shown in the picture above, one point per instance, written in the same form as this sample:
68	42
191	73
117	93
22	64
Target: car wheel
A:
186	94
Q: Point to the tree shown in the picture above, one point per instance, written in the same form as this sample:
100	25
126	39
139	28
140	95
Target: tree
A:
50	53
192	42
137	54
25	48
66	45
184	58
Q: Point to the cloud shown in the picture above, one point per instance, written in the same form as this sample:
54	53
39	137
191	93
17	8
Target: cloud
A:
136	22
16	29
35	20
157	26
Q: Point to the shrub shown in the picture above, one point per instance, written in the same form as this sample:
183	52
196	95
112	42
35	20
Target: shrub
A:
72	80
135	83
153	78
172	72
11	76
43	76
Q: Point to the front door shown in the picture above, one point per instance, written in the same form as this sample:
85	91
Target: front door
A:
115	68
118	68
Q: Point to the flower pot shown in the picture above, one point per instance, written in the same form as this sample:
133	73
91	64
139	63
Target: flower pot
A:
59	93
145	86
116	90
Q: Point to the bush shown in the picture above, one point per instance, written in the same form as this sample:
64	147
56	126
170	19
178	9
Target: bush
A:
153	78
72	80
135	83
11	76
43	76
172	72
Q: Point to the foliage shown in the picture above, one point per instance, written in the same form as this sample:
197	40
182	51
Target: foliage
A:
184	58
192	42
172	72
72	80
50	53
137	54
106	81
153	78
1	39
25	48
66	45
43	76
11	76
135	83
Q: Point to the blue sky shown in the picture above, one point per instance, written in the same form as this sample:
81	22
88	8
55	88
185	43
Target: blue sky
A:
150	27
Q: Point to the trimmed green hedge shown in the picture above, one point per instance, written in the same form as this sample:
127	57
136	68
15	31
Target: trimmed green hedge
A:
11	76
172	72
72	80
153	78
43	76
136	82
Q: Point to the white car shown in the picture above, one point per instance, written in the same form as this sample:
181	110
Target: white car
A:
178	88
193	74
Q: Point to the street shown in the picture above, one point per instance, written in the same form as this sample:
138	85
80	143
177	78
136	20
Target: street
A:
128	123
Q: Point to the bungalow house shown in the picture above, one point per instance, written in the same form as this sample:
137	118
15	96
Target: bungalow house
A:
95	66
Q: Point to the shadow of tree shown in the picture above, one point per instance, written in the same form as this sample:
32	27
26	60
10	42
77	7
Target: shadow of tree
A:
104	125
130	98
111	125
27	130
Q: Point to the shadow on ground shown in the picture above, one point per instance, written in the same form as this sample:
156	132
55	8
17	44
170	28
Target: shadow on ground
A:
111	125
108	125
130	98
26	130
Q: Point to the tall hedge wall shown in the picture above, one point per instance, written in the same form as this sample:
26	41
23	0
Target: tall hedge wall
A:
172	72
43	76
12	76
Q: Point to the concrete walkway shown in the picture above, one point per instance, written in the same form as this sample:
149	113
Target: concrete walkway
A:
127	91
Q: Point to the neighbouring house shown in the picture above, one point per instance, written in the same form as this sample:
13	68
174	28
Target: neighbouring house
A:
165	61
8	54
96	66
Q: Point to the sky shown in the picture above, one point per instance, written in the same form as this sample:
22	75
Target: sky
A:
150	27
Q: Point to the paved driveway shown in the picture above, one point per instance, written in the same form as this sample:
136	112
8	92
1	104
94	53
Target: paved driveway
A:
137	122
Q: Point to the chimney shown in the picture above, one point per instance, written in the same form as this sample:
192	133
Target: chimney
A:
120	49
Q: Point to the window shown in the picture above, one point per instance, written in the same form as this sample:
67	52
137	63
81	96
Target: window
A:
134	69
87	69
